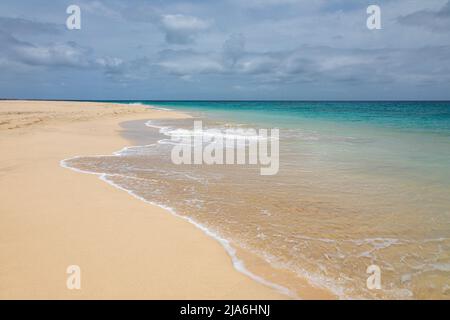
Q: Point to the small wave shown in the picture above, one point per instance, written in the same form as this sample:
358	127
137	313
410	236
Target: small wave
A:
149	106
211	134
238	264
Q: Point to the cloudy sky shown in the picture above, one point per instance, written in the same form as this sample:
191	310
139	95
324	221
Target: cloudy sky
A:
225	49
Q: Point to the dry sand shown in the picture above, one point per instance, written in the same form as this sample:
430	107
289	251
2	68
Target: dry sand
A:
52	217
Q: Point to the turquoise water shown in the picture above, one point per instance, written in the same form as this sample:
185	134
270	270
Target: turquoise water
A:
414	116
360	183
396	134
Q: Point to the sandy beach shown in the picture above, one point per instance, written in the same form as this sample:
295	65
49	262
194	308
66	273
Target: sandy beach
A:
52	217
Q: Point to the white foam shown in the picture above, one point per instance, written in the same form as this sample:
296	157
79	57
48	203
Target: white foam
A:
217	133
237	263
149	106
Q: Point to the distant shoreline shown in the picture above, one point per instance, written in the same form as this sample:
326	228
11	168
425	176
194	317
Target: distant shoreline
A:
207	100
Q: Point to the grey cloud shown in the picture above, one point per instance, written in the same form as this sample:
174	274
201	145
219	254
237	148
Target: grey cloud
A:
143	13
298	48
63	54
20	26
315	64
258	63
111	65
181	29
99	8
233	48
189	62
434	20
67	55
139	69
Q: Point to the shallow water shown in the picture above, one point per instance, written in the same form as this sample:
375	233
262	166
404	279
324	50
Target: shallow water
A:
359	184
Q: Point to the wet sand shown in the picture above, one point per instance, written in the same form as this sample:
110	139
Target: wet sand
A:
52	217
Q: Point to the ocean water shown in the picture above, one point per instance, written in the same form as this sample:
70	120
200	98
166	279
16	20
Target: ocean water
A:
359	184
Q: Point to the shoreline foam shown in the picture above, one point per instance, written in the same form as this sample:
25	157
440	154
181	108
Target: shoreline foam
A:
238	264
126	248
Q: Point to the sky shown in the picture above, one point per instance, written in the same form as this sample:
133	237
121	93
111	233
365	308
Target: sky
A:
225	50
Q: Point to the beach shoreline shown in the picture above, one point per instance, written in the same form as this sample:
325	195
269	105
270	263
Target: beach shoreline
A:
244	259
52	217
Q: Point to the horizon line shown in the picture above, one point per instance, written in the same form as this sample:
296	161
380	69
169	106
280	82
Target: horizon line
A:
219	100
